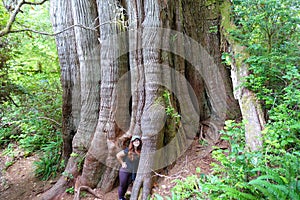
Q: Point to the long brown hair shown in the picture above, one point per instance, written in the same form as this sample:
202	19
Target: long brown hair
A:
132	151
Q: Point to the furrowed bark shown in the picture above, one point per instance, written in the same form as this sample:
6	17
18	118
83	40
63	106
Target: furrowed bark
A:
70	72
135	17
60	11
110	62
153	113
100	160
200	18
88	50
85	13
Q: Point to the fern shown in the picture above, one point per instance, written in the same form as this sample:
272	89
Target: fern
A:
268	189
236	194
274	177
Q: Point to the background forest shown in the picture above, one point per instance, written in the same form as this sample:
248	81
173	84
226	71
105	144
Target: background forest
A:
31	100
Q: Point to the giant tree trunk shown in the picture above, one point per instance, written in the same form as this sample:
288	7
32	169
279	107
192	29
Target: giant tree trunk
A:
153	112
200	86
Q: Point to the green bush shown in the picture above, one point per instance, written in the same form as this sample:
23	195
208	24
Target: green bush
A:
30	93
238	174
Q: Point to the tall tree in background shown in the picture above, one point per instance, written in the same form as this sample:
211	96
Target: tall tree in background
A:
124	72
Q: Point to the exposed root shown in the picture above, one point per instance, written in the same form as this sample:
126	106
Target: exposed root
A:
62	184
85	188
56	190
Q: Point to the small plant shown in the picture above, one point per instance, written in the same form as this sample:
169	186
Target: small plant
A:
83	194
170	110
80	163
281	182
70	190
213	29
8	164
187	188
79	160
68	175
49	164
74	154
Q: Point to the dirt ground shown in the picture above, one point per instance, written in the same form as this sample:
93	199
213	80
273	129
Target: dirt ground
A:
17	182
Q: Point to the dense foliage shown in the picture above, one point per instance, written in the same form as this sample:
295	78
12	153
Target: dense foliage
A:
269	29
30	95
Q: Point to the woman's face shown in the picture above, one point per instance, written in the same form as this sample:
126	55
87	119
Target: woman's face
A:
136	143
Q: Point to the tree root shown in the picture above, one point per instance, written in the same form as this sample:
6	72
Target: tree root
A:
54	192
62	184
85	188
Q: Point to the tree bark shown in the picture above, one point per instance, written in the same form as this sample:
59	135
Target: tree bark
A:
100	162
70	74
135	18
250	107
60	11
153	112
87	46
88	50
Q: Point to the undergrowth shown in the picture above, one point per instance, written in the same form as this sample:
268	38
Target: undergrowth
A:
239	174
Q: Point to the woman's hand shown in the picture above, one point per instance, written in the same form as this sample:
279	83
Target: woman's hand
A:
124	165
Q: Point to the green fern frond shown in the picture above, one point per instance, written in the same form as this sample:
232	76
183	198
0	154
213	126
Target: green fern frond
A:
236	194
275	177
270	190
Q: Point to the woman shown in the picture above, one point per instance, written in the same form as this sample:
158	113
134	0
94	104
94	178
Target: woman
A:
129	159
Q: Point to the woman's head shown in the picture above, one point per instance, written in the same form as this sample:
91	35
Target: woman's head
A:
136	140
135	144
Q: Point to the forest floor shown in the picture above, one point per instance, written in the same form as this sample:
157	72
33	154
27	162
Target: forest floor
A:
17	182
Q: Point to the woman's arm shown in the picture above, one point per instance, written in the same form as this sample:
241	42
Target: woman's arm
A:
120	157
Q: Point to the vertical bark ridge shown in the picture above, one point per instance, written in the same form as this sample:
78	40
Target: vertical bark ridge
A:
207	60
153	112
102	151
135	18
66	47
85	13
110	64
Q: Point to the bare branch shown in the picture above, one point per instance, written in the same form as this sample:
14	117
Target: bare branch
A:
52	34
13	16
88	189
59	32
52	120
17	9
11	19
178	175
35	3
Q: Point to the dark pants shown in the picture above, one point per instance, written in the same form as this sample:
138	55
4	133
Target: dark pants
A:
125	180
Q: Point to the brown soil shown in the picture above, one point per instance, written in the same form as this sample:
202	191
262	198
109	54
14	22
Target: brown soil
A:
17	182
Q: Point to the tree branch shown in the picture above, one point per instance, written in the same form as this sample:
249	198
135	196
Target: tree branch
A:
35	3
52	34
59	32
13	16
52	120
